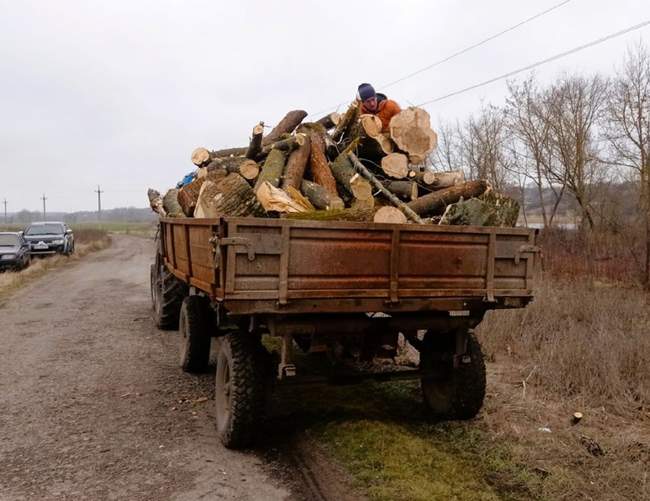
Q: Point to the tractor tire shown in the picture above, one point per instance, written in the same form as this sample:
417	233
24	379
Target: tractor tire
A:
195	322
452	393
167	293
240	389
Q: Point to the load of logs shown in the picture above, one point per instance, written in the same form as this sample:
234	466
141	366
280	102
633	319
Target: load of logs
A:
341	167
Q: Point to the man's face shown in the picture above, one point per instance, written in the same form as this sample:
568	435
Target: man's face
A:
371	103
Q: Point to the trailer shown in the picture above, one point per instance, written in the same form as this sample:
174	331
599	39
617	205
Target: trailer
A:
352	290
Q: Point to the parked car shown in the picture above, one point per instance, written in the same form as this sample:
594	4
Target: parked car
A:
14	251
50	238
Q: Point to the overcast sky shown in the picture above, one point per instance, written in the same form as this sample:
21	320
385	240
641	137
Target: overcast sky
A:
119	93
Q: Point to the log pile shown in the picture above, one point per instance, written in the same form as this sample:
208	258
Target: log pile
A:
340	167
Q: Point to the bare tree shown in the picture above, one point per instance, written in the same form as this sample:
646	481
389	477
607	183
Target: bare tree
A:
628	129
446	156
575	108
482	146
528	123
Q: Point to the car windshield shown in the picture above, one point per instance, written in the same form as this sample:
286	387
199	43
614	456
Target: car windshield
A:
8	240
45	229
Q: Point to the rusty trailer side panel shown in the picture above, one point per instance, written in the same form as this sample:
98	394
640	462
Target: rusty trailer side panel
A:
287	266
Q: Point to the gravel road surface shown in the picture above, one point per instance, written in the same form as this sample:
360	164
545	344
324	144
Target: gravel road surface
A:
93	404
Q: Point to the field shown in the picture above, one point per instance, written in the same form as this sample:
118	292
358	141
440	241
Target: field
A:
583	345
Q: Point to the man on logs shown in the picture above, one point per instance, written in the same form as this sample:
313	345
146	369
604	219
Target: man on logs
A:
377	104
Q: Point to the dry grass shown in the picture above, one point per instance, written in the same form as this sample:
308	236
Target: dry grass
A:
87	240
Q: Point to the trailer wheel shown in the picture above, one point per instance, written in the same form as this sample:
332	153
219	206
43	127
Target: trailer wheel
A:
452	393
240	389
167	293
195	320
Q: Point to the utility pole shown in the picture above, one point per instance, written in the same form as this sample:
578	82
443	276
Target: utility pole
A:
44	199
5	204
99	202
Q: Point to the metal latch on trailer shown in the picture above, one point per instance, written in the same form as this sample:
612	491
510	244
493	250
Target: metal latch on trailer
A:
526	249
217	243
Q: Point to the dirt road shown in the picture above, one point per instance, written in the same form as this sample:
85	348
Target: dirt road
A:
93	404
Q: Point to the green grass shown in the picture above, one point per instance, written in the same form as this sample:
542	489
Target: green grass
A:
380	433
127	228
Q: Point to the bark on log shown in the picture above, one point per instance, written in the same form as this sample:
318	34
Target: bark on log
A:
412	133
388	214
406	190
296	165
243	166
171	205
490	209
189	194
319	197
229	152
286	144
349	118
375	182
395	165
435	202
290	121
329	121
320	169
231	196
255	145
352	214
344	172
272	169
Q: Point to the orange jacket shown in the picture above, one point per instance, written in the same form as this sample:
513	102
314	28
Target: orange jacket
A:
386	110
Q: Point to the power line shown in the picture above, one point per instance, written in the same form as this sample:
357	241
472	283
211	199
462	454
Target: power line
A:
44	198
460	52
539	63
99	202
474	46
5	204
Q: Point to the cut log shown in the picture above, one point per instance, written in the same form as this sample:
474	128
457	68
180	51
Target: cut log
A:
200	157
290	121
348	120
272	169
189	194
388	214
371	125
229	152
329	121
412	133
344	172
320	169
296	165
352	214
243	166
231	196
406	190
438	180
319	197
490	209
413	216
395	165
255	145
435	202
171	205
286	144
276	200
156	202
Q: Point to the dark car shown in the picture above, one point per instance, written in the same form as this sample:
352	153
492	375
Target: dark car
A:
14	251
50	238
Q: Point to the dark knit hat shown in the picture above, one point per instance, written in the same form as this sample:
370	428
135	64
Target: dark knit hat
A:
366	91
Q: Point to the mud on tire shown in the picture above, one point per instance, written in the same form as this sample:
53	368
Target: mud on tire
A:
195	322
240	389
452	393
167	293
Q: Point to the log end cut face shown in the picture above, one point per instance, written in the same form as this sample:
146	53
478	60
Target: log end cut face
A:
411	131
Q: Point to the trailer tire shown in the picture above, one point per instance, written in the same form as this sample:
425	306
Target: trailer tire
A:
240	389
452	393
167	293
195	320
